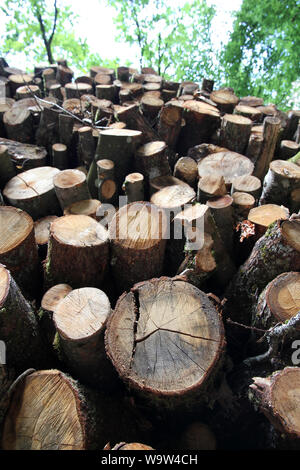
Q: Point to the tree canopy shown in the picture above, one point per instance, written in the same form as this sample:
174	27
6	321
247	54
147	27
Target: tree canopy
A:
262	55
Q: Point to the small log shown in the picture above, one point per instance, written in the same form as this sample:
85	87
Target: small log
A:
18	125
55	90
265	215
25	156
235	132
242	203
49	302
59	156
247	184
7	168
77	252
87	207
105	92
137	234
151	106
147	352
64	75
33	191
270	134
107	188
104	70
160	182
18	249
201	120
173	198
86	147
102	79
251	101
276	252
136	121
42	233
17	80
249	112
186	169
292	124
169	124
167	95
134	187
18	326
276	396
76	90
207	85
70	186
226	164
151	160
288	148
282	178
66	124
80	319
27	92
222	212
47	133
210	186
225	100
278	302
254	146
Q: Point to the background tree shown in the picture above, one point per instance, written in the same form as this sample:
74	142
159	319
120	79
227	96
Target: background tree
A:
45	29
171	38
262	55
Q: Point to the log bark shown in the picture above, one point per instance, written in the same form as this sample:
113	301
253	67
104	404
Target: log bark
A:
70	186
25	156
136	121
18	326
147	352
77	252
60	156
169	124
282	178
254	147
7	168
33	191
86	146
137	234
65	126
222	212
151	160
134	187
105	92
276	252
235	132
270	134
18	249
47	133
18	125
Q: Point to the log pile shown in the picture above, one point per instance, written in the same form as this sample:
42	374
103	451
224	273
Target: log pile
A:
149	254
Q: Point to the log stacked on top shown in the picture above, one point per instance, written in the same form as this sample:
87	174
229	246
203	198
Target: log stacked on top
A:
196	164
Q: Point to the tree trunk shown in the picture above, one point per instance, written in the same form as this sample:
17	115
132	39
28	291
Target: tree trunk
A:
78	252
137	234
33	191
146	353
18	249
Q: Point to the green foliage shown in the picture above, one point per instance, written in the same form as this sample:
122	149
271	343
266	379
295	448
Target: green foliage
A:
174	39
23	33
262	55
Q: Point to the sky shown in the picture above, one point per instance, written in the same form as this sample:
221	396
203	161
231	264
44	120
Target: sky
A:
96	25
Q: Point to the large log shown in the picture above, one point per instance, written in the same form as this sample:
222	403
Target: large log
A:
173	198
18	326
137	233
136	121
18	249
25	156
18	125
151	160
167	322
225	99
186	169
235	132
276	252
33	191
77	252
282	178
70	186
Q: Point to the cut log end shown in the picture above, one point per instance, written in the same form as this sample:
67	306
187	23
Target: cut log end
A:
78	230
15	226
283	296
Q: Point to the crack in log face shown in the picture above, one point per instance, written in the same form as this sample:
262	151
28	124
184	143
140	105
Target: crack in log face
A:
176	336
